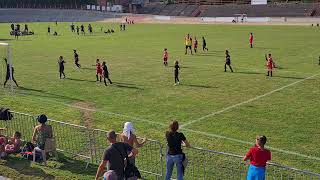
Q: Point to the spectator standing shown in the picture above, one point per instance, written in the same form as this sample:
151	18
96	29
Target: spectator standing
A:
42	132
128	136
258	156
175	154
114	155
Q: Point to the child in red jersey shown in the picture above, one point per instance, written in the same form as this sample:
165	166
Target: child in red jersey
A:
258	156
270	64
195	45
165	57
98	70
251	40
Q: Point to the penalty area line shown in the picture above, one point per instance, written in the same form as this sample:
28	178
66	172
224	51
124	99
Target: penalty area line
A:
246	102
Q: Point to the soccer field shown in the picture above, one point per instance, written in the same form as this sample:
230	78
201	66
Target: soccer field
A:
216	110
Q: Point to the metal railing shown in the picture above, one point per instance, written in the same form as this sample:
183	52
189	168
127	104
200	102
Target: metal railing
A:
203	164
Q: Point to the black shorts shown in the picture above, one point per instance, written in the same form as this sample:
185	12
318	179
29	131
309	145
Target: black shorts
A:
188	47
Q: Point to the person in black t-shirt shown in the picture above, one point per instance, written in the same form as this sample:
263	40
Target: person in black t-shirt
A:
175	154
90	28
228	62
61	67
204	44
76	58
82	29
49	30
114	155
105	73
12	27
176	73
78	30
8	74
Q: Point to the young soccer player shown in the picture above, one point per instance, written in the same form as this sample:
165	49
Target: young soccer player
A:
72	28
105	73
270	64
204	44
61	67
188	43
76	58
78	29
165	57
82	29
90	28
49	30
251	40
98	70
176	73
12	27
228	62
8	74
195	45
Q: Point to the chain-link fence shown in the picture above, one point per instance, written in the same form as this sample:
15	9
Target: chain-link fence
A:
204	164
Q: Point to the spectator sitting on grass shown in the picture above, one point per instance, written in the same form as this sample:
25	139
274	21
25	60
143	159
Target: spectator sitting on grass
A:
42	132
14	143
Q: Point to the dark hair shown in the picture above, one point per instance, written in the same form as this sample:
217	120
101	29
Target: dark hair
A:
262	139
112	135
174	126
42	118
18	134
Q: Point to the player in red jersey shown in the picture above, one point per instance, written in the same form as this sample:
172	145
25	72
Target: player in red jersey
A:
195	45
251	40
98	70
165	57
270	64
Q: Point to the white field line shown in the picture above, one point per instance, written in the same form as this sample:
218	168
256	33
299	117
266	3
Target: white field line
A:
246	102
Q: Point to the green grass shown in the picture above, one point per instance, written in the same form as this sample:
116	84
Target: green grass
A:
144	89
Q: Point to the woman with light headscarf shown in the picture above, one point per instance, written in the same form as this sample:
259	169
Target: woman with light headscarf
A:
129	137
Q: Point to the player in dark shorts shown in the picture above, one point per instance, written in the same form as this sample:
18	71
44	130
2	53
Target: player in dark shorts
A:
188	43
78	30
72	28
76	58
16	33
12	27
195	45
105	73
49	30
90	28
82	29
176	73
228	62
204	44
8	74
26	29
18	27
61	67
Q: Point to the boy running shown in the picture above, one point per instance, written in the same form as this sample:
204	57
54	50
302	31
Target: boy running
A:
176	73
49	30
105	73
98	70
251	40
228	62
82	29
204	44
188	43
76	58
61	67
270	64
8	74
90	28
165	57
195	45
78	30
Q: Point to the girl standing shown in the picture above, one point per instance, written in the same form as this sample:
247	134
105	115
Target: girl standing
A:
176	73
165	57
61	67
98	70
270	64
105	73
228	62
195	45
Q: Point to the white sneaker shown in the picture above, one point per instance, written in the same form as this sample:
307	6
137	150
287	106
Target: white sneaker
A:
175	84
178	83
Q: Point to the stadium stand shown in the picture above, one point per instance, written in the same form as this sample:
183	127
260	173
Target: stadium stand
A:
50	15
228	10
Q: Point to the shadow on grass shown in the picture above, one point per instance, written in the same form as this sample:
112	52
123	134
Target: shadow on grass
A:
44	94
248	72
129	86
198	86
88	68
80	80
23	166
6	39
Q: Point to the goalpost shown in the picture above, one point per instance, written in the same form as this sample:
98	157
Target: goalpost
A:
7	55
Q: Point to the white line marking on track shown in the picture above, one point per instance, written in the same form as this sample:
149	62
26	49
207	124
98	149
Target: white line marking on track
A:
245	102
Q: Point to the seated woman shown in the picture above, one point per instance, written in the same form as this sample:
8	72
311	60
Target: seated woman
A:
14	143
42	132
